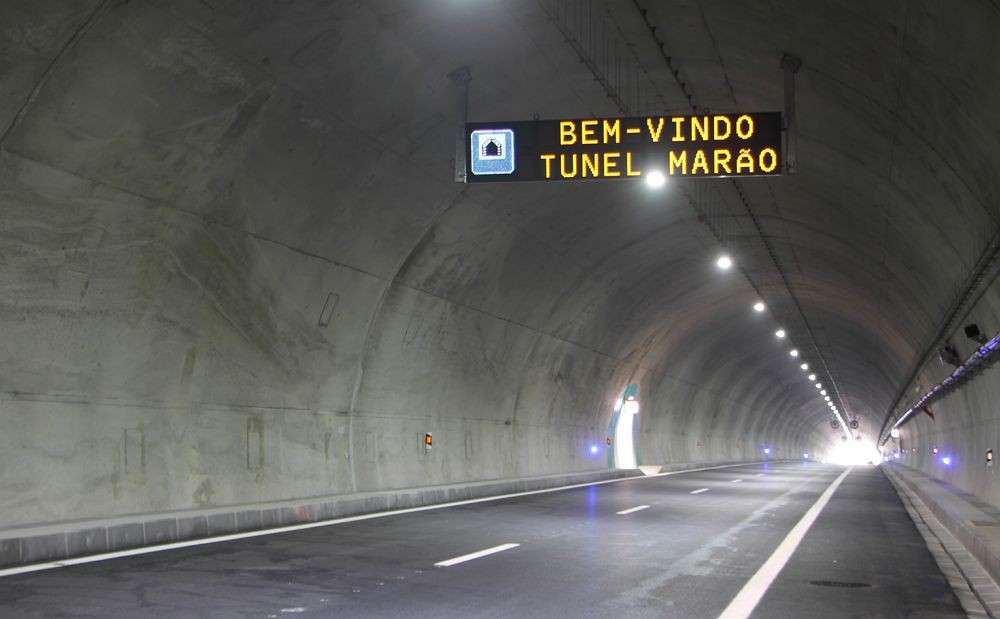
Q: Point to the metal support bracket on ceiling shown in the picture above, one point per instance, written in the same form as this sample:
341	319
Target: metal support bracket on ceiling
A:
461	77
790	65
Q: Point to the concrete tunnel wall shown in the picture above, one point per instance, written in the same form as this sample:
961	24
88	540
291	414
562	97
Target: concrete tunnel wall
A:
965	423
237	268
218	290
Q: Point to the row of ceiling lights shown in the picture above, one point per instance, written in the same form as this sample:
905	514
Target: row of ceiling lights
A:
724	263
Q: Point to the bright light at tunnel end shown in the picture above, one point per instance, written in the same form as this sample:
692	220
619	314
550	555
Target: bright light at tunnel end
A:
853	453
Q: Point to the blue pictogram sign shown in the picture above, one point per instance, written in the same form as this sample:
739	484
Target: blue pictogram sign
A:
492	151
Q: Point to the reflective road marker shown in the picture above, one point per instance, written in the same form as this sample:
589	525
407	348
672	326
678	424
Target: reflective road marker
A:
699	491
752	592
475	555
632	510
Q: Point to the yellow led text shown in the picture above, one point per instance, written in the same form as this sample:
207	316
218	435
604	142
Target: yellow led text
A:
587	132
588	165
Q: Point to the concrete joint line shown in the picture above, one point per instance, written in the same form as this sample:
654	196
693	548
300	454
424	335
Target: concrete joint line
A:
49	70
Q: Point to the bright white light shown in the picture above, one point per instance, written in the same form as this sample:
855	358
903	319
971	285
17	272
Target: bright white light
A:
894	433
851	453
767	450
794	352
593	449
819	386
822	391
759	306
618	404
656	179
812	377
804	366
724	262
827	398
806	456
780	333
946	460
624	446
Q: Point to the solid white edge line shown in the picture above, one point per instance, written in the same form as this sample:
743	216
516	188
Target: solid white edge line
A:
736	481
475	555
752	592
699	491
118	554
632	510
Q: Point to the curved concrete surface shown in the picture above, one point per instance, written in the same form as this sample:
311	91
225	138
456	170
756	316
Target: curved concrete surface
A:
236	267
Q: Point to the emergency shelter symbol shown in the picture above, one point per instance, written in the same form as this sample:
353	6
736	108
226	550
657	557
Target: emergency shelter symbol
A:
492	151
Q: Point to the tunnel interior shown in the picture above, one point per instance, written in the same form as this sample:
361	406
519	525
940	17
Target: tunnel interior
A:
237	266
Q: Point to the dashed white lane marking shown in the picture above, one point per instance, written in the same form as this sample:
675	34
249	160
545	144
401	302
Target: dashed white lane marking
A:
699	491
736	481
632	510
132	552
475	555
759	475
752	592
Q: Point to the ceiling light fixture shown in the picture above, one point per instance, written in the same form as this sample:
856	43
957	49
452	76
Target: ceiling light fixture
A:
655	179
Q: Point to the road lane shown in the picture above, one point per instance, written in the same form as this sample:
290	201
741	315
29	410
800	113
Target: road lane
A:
686	555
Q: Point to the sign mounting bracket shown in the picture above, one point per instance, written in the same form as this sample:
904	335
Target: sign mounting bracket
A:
461	77
790	65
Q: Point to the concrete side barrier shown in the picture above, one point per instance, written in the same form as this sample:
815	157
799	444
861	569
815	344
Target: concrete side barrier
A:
973	522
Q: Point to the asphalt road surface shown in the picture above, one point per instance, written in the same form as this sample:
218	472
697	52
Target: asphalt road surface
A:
682	545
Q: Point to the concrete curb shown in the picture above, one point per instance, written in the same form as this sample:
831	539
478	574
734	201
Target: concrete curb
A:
975	524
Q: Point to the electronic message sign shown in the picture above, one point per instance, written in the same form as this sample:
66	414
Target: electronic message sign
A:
703	145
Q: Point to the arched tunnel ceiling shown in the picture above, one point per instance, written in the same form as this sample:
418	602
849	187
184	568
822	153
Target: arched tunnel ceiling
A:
327	129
